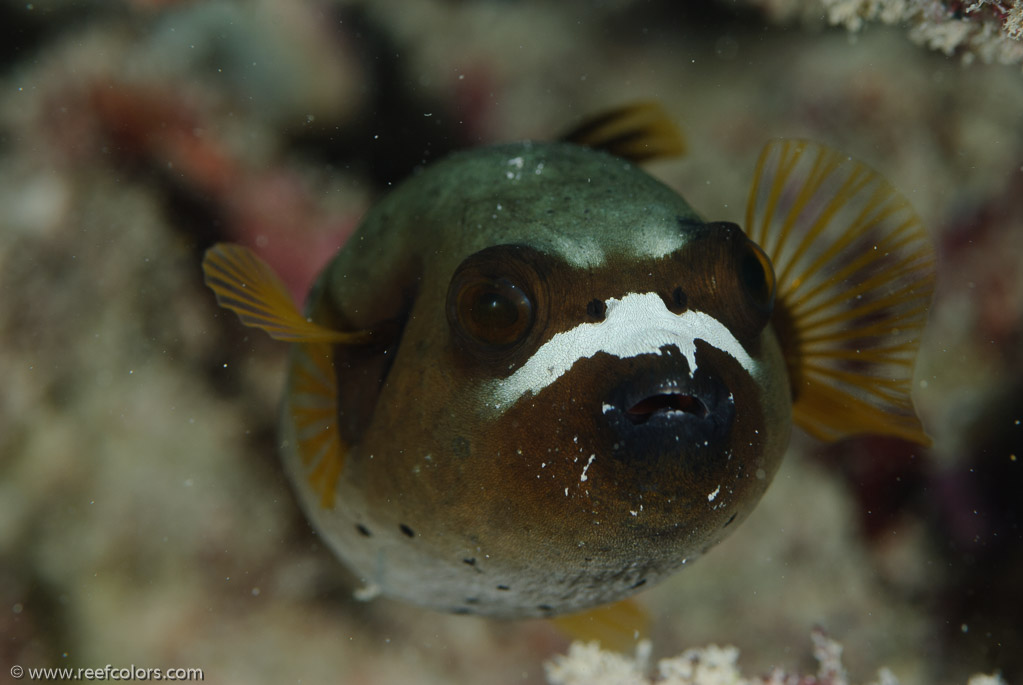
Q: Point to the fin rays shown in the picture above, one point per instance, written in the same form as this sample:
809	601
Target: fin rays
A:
313	407
827	287
855	272
638	132
246	285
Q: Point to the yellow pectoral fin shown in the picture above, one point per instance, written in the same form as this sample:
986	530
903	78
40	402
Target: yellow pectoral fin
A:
638	132
617	626
245	284
855	274
312	403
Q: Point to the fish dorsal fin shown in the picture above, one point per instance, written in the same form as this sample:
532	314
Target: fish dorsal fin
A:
638	132
855	273
245	284
617	626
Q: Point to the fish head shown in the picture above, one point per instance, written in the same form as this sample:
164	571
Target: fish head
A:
639	407
598	389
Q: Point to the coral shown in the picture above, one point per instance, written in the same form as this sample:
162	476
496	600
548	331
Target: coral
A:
991	30
588	664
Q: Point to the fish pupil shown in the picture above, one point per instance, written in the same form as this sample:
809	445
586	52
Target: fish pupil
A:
495	311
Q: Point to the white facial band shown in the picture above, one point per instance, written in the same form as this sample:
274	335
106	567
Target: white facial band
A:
634	325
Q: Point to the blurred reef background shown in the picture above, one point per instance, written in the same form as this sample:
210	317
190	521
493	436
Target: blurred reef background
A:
143	516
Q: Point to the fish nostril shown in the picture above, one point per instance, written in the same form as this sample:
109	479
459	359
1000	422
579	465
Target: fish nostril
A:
596	309
665	403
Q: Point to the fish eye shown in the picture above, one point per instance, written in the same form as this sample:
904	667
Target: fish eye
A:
497	301
493	311
756	274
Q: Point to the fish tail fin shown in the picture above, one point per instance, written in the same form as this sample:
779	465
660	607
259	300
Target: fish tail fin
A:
617	626
855	274
638	132
245	284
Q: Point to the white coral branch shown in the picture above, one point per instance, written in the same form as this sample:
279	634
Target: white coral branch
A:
588	664
989	29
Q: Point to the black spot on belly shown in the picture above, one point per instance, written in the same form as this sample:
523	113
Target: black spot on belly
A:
503	587
730	519
546	608
407	531
363	530
639	583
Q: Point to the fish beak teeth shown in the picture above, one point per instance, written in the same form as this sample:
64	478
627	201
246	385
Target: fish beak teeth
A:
666	403
654	415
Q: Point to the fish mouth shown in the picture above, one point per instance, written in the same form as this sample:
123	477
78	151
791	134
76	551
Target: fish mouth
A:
652	414
666	404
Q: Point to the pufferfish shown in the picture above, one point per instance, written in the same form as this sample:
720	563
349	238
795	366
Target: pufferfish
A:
535	380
